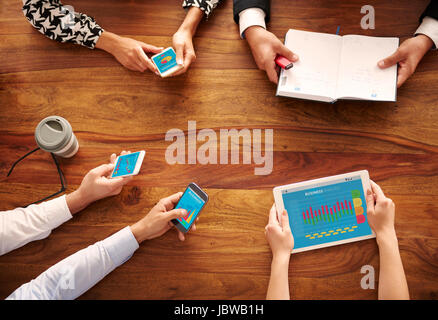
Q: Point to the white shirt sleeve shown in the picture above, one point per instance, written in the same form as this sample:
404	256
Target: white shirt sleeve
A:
429	27
71	277
23	225
251	17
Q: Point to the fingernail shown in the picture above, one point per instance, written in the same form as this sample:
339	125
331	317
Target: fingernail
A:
179	61
381	63
295	57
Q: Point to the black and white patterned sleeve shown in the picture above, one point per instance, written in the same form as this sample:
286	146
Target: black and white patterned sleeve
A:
205	5
61	23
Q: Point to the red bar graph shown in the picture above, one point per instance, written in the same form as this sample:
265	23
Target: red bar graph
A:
328	213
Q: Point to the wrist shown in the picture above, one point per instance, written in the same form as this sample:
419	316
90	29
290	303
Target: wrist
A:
76	201
385	237
106	41
425	41
139	230
281	258
252	32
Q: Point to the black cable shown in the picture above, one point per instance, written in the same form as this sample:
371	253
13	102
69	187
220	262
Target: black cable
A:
21	158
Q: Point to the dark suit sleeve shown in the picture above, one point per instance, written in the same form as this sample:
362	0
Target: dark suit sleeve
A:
431	11
240	5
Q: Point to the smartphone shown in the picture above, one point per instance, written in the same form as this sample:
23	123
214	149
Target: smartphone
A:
165	61
193	200
128	164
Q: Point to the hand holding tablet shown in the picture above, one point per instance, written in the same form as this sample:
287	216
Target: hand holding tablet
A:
326	212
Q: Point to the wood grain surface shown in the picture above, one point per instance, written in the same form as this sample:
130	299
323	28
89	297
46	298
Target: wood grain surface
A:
112	109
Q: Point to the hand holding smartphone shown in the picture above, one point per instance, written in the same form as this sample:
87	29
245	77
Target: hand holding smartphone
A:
128	164
193	200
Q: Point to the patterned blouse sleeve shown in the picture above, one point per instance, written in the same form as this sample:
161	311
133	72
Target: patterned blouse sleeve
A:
61	23
205	5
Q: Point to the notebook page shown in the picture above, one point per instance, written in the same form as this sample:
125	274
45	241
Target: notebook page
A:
316	71
359	75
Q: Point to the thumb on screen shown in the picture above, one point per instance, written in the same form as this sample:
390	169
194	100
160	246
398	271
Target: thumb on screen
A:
176	213
370	201
103	170
285	220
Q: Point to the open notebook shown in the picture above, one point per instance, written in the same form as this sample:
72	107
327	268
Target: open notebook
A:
333	67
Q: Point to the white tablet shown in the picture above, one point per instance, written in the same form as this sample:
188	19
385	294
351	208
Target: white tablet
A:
326	212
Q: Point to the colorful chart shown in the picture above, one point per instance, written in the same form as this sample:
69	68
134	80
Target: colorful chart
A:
125	164
193	204
327	212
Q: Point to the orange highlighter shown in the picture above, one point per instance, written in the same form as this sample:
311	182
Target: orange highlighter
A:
283	62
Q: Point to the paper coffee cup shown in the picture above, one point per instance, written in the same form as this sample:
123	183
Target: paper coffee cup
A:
55	134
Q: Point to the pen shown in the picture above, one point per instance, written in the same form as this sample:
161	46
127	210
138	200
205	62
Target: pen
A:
283	62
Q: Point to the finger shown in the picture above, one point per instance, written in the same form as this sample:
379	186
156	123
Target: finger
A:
123	153
402	76
171	201
146	61
188	60
176	213
370	201
273	215
285	52
285	221
103	170
377	191
150	48
142	59
270	71
181	236
117	183
193	228
391	60
179	51
113	158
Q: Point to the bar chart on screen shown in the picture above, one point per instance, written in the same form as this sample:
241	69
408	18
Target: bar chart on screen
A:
327	213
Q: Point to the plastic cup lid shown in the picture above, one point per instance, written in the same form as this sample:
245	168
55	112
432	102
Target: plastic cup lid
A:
53	133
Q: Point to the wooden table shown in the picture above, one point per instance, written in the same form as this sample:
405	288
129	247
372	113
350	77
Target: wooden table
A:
113	109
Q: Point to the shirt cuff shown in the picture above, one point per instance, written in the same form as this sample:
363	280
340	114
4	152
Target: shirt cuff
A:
429	27
56	212
121	246
251	17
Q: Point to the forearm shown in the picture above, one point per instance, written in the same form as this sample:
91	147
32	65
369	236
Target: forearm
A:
278	288
76	201
23	225
392	279
71	277
192	20
59	22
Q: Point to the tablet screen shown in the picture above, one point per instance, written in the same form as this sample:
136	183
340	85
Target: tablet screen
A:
327	211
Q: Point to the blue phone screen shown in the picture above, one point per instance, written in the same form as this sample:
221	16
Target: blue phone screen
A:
126	164
166	60
193	204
